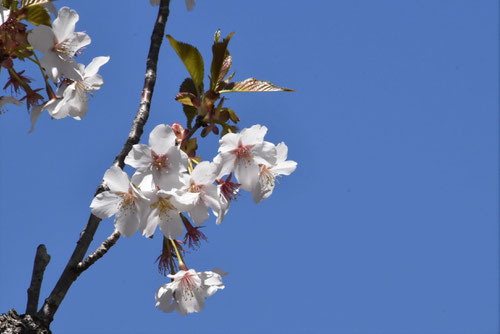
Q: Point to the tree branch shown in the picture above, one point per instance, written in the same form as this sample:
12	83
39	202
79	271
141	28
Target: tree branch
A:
99	252
71	271
42	259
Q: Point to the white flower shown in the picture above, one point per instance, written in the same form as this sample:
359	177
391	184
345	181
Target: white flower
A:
122	199
74	101
164	210
59	44
4	14
8	99
268	173
243	152
200	183
188	290
162	158
189	4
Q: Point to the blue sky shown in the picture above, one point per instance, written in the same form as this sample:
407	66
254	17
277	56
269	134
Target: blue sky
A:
388	225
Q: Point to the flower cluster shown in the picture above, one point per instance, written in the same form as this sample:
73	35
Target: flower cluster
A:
59	44
165	184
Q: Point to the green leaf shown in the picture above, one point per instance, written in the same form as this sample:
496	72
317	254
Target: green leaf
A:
37	15
228	128
220	53
253	85
192	59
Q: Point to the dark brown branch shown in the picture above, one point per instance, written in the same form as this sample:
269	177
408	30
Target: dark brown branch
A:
99	252
71	272
42	259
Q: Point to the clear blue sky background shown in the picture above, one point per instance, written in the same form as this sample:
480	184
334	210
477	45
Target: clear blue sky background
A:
389	224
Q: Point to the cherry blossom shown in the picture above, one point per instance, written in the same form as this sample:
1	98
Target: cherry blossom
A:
74	101
268	173
188	290
122	199
162	158
243	152
201	184
164	210
59	44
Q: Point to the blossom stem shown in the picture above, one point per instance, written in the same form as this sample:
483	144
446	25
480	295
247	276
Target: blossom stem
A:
182	266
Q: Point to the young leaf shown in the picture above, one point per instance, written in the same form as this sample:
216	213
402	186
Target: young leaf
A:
192	60
220	53
188	99
38	15
253	85
26	3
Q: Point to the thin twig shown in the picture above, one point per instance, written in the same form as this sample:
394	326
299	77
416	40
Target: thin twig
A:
71	272
42	259
99	252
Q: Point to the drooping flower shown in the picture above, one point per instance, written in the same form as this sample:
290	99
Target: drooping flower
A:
200	183
122	199
162	158
74	101
268	173
59	44
243	152
188	290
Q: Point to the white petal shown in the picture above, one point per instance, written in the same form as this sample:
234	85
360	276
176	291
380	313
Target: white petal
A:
281	152
161	139
247	174
42	38
139	157
149	223
94	82
204	173
285	167
253	135
127	220
64	25
171	225
262	190
36	111
164	298
94	66
105	204
264	153
116	179
225	163
199	213
77	41
229	142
